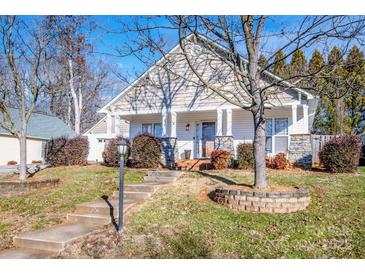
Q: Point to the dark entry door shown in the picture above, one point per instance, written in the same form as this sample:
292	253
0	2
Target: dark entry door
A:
208	138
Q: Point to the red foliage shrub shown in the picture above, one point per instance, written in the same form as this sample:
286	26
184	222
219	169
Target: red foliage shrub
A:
66	152
146	151
245	157
12	163
220	159
341	154
280	161
111	153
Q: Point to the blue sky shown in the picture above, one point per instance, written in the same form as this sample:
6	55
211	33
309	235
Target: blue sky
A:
107	42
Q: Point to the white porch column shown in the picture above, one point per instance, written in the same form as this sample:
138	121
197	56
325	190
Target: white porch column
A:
164	122
305	118
294	117
229	122
117	125
109	124
219	123
173	124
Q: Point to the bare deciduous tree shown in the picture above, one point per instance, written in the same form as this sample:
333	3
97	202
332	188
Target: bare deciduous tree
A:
252	88
23	45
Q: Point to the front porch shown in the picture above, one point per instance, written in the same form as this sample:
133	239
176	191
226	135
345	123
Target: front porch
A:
194	134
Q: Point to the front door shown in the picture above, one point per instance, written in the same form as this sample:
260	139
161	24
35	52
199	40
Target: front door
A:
208	138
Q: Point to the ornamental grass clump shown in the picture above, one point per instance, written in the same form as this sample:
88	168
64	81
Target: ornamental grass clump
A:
220	159
111	155
146	151
341	154
245	156
63	151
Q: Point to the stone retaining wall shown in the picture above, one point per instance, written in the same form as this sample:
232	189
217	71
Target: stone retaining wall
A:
10	188
268	202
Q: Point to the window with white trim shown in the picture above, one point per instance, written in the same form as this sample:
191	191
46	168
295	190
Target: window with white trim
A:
277	135
281	135
154	129
269	135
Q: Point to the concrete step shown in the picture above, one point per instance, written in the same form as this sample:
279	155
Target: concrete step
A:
102	207
55	238
163	173
161	179
26	253
140	187
89	218
135	195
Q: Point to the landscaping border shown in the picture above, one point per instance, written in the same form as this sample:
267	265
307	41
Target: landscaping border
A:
10	187
267	202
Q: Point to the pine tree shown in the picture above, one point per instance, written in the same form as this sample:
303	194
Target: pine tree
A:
336	91
298	64
262	61
280	66
316	84
355	99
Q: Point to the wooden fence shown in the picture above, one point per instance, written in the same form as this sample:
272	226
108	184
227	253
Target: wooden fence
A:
318	141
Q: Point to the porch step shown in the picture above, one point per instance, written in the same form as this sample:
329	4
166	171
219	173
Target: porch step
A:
198	164
55	238
135	195
141	187
148	179
102	207
26	253
88	218
163	173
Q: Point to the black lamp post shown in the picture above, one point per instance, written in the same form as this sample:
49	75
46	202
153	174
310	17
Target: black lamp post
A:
122	147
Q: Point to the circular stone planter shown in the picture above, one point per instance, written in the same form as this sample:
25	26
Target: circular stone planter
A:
260	201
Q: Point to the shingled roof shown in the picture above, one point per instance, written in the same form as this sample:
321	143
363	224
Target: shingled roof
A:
40	125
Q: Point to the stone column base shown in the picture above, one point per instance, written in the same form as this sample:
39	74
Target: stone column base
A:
169	151
300	150
224	143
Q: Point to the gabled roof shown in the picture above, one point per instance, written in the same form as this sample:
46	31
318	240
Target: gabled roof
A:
40	125
266	72
94	126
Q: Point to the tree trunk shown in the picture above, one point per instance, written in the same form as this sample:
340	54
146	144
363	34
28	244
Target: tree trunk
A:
259	150
77	120
23	157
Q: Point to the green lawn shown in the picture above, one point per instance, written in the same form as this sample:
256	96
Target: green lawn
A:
50	206
180	222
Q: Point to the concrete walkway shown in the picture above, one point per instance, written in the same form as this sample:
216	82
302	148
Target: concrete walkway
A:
87	218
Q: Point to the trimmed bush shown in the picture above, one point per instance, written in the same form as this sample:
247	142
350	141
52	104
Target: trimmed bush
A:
245	157
280	161
66	152
111	155
341	154
220	159
12	163
146	151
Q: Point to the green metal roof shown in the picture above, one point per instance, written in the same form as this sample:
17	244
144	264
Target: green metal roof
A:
40	125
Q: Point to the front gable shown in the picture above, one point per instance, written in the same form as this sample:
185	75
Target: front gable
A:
172	85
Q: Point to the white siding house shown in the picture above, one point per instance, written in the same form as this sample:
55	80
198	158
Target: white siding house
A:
106	128
196	119
40	129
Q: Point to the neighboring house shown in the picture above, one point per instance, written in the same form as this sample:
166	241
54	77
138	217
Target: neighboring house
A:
101	132
41	128
187	116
